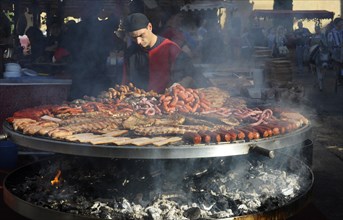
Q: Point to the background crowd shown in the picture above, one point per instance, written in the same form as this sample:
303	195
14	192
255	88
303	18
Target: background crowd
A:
93	49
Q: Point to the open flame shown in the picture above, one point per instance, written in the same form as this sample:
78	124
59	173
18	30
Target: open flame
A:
56	180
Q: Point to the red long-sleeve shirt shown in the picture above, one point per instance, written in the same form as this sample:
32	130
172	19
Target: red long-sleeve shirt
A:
151	69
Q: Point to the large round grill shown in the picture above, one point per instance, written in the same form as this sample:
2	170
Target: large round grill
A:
152	152
186	179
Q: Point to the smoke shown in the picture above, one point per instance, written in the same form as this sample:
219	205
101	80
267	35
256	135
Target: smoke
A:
90	43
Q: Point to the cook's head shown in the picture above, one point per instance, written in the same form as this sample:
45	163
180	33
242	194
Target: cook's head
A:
139	28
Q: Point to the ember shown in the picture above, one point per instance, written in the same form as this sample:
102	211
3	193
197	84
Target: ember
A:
56	180
163	189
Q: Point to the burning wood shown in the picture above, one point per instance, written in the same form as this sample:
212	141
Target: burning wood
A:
56	180
183	189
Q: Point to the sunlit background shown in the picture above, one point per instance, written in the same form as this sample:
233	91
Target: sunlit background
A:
329	5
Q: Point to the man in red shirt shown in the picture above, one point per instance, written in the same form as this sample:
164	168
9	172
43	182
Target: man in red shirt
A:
153	62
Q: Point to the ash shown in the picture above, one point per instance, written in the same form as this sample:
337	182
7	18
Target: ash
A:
163	189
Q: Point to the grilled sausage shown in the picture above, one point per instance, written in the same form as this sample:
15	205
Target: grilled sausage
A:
286	126
233	135
263	131
256	135
224	135
192	137
205	137
280	127
215	137
239	134
248	134
271	129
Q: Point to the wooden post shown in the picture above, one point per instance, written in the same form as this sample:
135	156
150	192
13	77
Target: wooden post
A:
60	11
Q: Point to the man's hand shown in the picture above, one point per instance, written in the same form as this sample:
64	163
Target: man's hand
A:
185	82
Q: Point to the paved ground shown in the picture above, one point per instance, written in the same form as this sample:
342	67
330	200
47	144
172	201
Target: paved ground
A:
325	109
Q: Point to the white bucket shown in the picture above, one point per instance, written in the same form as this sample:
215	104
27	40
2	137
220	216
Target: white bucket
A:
12	67
12	70
11	74
258	77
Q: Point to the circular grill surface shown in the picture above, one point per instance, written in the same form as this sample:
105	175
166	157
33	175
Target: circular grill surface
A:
152	152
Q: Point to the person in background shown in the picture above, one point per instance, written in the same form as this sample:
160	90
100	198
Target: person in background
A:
189	30
247	46
335	42
172	30
279	47
257	33
36	48
24	21
177	29
89	48
116	56
213	46
62	52
5	25
153	62
202	31
318	37
301	44
53	39
319	57
271	37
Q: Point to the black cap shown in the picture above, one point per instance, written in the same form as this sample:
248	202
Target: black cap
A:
135	21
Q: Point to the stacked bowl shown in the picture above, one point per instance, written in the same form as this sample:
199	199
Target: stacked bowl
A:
12	70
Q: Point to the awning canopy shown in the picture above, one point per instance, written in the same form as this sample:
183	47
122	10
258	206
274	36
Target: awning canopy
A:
208	5
298	14
70	7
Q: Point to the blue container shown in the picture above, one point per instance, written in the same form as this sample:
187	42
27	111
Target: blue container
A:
8	155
